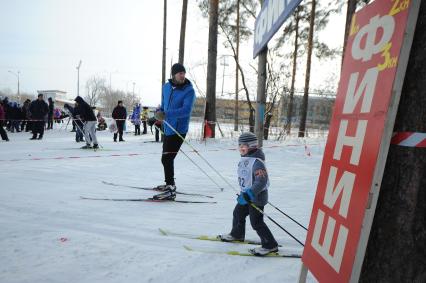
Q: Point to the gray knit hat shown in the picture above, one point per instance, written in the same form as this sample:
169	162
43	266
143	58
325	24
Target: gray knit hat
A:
249	139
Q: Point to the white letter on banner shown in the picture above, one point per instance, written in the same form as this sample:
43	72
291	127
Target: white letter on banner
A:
356	142
275	8
386	23
324	250
345	185
368	84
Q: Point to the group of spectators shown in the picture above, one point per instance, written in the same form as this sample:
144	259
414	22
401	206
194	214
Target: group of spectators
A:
139	116
32	116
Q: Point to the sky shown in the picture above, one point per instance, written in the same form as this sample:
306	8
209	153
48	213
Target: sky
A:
119	40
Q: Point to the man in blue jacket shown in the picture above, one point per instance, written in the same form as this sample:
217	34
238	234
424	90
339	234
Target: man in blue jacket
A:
176	106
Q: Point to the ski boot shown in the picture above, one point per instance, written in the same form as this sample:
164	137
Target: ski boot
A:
229	238
168	194
160	188
87	146
95	146
261	251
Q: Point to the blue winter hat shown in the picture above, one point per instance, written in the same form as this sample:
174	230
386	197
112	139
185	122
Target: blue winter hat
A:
248	139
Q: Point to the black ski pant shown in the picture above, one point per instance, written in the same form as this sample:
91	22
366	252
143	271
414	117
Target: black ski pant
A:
120	127
137	130
3	132
144	128
49	122
157	134
38	128
256	219
171	146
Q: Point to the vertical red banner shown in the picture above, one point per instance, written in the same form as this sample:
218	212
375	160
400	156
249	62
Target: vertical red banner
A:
356	132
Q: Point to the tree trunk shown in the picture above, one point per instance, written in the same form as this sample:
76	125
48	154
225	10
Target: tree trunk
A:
293	75
349	14
304	110
163	73
268	119
182	31
251	120
396	250
210	114
236	68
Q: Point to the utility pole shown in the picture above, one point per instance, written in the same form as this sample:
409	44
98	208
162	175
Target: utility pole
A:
261	93
78	78
224	64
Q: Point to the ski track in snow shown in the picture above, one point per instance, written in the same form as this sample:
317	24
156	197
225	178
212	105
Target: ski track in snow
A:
48	234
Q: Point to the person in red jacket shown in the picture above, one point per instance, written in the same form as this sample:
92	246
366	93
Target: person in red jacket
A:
2	119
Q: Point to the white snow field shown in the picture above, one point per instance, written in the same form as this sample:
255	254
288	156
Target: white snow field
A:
49	234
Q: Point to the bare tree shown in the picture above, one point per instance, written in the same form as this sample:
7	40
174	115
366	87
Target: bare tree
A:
293	76
304	110
228	14
95	88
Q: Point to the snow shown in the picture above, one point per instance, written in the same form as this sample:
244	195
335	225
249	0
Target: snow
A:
49	234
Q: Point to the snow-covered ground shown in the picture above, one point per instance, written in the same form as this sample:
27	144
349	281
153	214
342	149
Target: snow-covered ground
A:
49	234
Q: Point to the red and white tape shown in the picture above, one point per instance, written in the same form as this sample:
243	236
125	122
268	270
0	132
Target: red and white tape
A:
409	139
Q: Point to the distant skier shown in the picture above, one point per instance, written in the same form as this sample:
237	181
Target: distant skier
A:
254	182
119	114
88	116
177	100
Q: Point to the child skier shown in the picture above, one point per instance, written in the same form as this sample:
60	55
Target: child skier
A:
254	183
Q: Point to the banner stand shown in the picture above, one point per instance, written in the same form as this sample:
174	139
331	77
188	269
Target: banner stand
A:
303	273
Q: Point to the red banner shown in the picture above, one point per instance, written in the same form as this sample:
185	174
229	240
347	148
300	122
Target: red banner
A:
356	132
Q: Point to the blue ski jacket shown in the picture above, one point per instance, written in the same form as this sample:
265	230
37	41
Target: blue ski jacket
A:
177	102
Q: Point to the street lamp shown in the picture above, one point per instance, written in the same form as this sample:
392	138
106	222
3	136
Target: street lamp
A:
17	76
78	78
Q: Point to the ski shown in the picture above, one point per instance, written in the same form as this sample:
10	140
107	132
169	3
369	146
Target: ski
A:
206	238
145	200
153	189
237	253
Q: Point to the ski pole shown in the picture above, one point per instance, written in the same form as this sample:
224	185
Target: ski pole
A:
287	216
193	162
270	218
252	204
84	123
66	125
205	160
